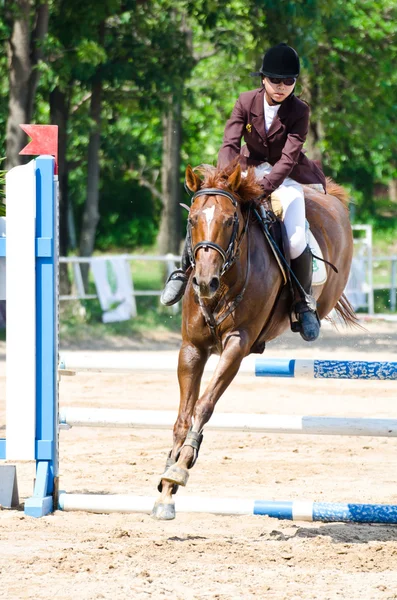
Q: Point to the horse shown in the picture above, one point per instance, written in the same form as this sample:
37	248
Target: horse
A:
236	299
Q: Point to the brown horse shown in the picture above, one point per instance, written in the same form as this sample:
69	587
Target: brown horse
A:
236	299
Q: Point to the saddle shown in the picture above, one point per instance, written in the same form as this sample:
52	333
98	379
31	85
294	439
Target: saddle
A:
279	234
276	236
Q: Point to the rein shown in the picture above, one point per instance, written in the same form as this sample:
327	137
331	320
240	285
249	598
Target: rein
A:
229	255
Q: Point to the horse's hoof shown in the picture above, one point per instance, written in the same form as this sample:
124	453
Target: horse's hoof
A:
176	475
163	512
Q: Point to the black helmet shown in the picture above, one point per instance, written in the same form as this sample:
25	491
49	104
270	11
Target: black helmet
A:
280	61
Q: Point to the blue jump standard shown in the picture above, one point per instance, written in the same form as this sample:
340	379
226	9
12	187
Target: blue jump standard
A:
46	317
325	369
327	512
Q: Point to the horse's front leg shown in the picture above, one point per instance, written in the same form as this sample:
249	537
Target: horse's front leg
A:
236	348
191	365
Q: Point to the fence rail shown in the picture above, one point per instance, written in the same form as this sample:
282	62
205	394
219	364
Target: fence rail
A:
76	261
367	286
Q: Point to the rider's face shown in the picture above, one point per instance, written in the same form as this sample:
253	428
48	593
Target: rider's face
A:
277	92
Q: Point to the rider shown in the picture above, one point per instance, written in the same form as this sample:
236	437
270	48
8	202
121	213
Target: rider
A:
274	124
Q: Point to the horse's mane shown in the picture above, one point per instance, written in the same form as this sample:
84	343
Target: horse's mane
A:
249	188
214	177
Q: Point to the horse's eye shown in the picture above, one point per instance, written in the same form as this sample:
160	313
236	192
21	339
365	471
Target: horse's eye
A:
229	222
192	221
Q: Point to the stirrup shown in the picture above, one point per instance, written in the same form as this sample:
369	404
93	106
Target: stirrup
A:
308	303
174	287
308	323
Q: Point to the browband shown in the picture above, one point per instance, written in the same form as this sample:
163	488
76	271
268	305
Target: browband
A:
214	192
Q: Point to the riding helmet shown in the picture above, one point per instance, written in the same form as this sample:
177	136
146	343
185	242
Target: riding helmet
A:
280	61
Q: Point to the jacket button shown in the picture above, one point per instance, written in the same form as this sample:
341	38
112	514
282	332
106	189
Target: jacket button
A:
264	144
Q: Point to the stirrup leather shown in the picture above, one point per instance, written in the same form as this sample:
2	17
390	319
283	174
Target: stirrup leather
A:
174	276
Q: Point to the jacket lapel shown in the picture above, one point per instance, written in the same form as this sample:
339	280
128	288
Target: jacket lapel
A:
258	114
276	125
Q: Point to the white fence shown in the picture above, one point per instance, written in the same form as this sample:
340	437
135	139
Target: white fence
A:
360	288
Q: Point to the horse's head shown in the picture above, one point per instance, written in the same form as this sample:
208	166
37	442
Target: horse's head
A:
215	221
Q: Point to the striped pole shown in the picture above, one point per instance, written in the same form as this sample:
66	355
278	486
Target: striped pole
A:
164	419
295	510
325	369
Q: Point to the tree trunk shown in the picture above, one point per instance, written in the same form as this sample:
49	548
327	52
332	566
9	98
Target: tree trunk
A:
393	190
91	213
19	74
169	233
59	112
312	94
38	36
24	53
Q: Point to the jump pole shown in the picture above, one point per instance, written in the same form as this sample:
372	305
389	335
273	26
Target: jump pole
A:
262	367
284	424
326	369
294	510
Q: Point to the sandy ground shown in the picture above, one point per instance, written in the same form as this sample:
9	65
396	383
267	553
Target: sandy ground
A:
89	556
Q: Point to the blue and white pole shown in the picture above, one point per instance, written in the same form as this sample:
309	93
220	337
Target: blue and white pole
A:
325	369
291	510
327	512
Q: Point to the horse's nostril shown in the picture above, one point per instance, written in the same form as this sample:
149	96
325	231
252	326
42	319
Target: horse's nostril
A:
214	285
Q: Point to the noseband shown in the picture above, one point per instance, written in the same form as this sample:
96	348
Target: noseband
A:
229	254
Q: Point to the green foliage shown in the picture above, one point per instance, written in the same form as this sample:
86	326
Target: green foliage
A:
91	53
129	214
202	51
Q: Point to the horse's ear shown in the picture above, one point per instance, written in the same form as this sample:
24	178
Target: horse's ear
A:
234	179
193	181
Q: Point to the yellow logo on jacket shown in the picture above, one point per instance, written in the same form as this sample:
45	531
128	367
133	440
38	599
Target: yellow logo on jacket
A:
248	127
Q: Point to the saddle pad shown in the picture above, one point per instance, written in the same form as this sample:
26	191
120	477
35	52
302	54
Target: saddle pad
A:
319	270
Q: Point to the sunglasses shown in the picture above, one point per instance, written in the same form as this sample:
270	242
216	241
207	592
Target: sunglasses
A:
284	80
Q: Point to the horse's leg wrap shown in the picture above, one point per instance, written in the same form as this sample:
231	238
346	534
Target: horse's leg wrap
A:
168	463
179	475
194	440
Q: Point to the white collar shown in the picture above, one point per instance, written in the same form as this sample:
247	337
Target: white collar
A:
271	107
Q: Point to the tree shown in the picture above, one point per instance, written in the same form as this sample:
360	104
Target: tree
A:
28	26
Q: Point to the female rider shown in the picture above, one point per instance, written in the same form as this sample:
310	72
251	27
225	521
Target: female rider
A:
274	124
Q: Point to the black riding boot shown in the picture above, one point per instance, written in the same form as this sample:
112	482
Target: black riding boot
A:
176	283
308	323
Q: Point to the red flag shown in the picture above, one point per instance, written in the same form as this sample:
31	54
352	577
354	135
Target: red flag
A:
44	141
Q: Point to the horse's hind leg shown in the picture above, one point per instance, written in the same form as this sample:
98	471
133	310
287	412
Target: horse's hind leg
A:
190	370
229	363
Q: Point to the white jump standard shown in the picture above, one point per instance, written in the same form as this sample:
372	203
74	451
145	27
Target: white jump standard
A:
325	369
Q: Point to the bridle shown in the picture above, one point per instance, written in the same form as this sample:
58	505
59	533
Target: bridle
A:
230	254
213	317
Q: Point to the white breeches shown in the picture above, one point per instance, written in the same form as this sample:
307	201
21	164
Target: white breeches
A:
290	195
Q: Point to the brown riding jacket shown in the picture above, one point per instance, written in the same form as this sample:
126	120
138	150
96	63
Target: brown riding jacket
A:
281	146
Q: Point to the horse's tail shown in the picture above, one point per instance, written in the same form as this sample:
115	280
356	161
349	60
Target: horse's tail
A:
334	189
346	313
